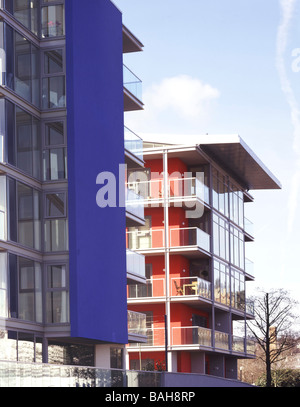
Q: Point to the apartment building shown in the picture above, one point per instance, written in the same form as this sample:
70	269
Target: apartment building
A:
195	241
63	94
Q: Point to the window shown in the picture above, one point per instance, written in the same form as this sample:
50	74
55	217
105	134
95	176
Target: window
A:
237	250
60	353
29	221
3	211
53	21
28	151
2	120
55	205
22	60
54	89
236	201
57	301
53	61
55	152
20	346
25	289
220	192
221	237
24	218
3	285
237	290
54	92
56	224
222	283
23	140
116	358
25	11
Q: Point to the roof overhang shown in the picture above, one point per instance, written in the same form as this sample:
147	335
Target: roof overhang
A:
230	152
235	155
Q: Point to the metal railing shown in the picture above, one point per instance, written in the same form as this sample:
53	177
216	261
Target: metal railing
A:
177	188
152	288
132	83
135	263
155	338
191	335
19	374
133	143
136	322
134	204
187	286
179	237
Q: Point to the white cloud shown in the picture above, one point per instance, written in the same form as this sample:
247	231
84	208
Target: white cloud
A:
174	104
186	96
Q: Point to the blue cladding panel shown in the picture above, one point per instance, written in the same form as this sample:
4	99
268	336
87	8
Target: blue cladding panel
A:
98	307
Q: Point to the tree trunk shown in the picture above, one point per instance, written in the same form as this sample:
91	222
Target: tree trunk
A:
268	356
268	372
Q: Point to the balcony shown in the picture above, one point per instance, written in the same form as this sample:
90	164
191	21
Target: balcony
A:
243	345
136	327
132	90
188	241
130	42
249	269
190	287
21	374
249	307
221	340
249	230
154	289
195	338
181	192
135	266
133	147
191	336
134	209
155	339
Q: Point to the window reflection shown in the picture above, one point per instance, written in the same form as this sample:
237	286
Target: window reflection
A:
25	11
53	61
55	153
70	354
54	94
20	346
57	309
25	289
53	21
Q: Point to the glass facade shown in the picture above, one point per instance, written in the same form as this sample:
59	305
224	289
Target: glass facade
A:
36	76
29	13
33	217
228	241
21	290
21	139
55	152
21	66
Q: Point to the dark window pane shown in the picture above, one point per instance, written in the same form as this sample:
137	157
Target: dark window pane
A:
53	61
12	210
10	133
24	143
55	205
13	286
22	12
54	133
10	60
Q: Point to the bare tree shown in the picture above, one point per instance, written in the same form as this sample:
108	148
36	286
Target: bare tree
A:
272	326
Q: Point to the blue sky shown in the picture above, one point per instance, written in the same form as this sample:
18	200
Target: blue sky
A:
235	70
